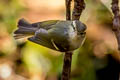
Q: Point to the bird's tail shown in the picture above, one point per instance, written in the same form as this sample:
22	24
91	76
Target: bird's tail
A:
24	29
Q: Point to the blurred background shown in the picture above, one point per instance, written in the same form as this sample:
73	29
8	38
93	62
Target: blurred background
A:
97	59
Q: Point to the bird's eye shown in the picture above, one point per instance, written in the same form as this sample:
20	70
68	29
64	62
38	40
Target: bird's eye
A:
83	33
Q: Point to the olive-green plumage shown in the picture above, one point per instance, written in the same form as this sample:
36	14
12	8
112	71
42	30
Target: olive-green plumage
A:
54	34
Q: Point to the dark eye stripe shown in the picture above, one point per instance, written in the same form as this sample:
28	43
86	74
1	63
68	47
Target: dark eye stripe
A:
83	34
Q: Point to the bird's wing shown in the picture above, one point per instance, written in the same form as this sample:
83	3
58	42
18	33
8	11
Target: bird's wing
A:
42	37
45	24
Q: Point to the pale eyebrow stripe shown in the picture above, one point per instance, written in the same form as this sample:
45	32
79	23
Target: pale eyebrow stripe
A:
74	25
54	44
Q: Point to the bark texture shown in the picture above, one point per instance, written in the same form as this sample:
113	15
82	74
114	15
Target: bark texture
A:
116	20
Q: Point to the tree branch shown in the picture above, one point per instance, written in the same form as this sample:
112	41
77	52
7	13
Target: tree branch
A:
67	66
68	55
68	9
116	20
79	6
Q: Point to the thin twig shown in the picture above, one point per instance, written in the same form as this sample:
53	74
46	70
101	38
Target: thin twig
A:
68	9
116	20
79	6
68	55
67	66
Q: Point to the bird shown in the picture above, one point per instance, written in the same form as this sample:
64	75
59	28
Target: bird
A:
59	35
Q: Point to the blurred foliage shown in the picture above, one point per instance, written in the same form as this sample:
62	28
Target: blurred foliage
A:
9	12
34	62
97	10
